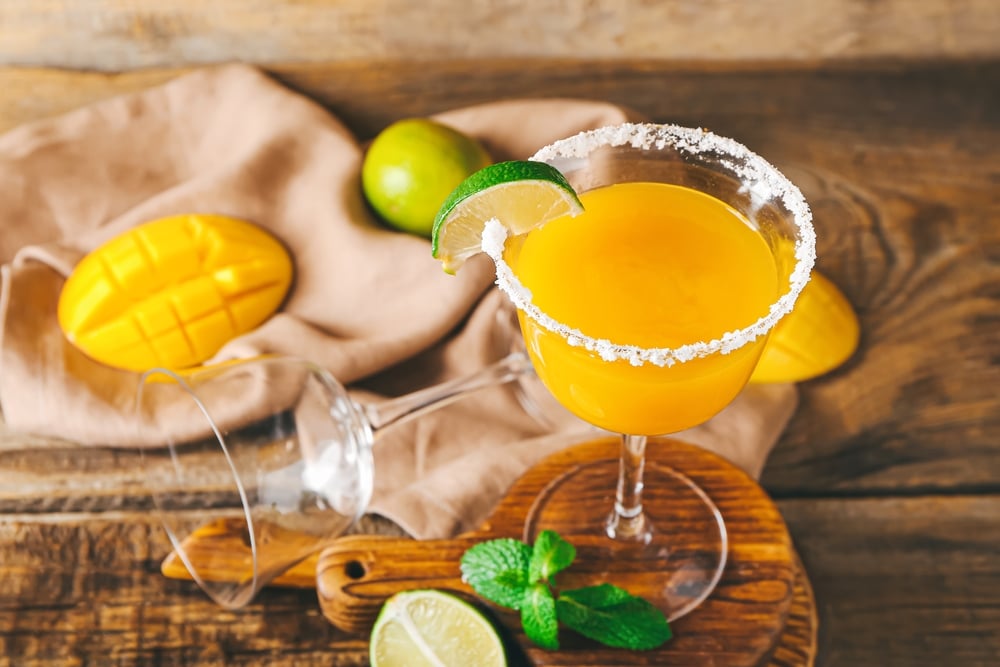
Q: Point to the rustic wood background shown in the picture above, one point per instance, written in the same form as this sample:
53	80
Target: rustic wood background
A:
887	114
115	35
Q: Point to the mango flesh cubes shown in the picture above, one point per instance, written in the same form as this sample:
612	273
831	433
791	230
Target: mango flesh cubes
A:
172	292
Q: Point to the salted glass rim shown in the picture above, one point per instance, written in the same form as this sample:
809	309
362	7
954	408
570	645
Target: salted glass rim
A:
761	179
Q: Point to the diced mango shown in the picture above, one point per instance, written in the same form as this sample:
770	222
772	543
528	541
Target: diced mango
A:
172	292
155	317
196	298
210	333
125	331
243	310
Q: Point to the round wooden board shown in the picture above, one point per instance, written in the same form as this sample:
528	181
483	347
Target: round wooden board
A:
798	641
761	607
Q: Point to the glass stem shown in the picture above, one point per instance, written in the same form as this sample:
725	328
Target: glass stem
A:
403	408
628	522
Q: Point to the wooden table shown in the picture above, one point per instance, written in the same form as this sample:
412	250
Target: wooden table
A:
889	475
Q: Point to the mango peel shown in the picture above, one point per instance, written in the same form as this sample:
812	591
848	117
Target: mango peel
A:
820	334
173	291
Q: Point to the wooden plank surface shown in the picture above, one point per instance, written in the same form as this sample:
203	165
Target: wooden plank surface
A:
85	589
887	101
81	590
900	582
115	35
903	582
888	474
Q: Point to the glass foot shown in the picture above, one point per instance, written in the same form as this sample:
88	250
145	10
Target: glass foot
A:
675	566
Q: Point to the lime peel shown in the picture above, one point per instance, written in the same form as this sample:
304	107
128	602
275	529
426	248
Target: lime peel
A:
522	195
411	166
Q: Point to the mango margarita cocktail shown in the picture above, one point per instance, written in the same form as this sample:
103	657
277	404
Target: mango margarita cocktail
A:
659	266
646	263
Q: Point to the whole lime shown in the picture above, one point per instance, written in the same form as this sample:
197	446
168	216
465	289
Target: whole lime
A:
412	166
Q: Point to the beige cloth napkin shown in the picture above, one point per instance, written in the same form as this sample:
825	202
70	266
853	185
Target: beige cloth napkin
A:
368	304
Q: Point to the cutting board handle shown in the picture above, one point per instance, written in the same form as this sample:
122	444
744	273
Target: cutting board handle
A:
358	573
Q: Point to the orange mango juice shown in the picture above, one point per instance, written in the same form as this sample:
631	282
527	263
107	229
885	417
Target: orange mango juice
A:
651	265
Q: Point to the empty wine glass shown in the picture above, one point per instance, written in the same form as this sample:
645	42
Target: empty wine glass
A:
280	440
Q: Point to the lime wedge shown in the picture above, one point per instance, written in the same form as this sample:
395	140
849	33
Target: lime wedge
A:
521	195
427	628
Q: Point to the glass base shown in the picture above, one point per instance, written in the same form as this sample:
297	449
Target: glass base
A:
675	565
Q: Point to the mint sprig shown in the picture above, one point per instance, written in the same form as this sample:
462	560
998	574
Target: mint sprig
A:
513	574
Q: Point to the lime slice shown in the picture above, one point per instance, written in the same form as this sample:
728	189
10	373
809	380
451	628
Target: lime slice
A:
521	195
427	628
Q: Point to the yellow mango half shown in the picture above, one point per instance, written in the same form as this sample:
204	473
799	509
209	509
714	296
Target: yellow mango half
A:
820	333
172	292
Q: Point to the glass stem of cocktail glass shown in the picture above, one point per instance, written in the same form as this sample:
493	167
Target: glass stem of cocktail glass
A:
409	406
628	522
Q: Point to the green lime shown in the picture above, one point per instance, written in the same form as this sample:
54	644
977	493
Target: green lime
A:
410	168
428	628
521	195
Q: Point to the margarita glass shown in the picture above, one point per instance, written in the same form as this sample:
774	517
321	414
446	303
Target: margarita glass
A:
645	315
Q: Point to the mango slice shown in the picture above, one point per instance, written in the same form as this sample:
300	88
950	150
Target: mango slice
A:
820	333
172	292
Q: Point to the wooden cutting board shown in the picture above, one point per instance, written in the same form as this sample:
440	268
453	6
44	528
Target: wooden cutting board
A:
762	609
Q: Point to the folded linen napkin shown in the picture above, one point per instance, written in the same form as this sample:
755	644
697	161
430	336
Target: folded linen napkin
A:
368	303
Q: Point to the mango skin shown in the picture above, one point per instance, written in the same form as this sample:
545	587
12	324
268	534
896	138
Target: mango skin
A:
820	334
172	292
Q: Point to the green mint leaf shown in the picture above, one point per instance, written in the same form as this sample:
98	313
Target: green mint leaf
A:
550	554
498	570
614	617
538	616
598	597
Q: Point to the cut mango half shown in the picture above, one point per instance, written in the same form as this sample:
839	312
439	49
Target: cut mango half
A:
820	334
173	291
